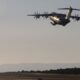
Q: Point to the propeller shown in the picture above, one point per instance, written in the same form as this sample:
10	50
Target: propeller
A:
77	17
45	15
37	15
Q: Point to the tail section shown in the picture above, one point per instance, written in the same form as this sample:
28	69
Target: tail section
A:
70	11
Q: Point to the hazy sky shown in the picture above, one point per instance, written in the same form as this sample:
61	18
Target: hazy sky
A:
26	40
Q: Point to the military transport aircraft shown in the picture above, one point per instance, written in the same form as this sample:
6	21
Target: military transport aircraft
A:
58	18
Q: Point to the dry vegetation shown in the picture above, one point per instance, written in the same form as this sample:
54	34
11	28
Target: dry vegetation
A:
38	76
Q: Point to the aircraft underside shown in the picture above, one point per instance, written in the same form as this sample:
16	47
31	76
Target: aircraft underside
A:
60	21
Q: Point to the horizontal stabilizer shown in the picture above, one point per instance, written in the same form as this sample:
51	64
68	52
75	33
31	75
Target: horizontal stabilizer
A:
69	9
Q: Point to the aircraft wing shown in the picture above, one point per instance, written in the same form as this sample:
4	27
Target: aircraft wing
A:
46	15
75	17
40	15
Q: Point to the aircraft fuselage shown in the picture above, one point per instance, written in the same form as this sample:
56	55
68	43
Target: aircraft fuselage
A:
59	20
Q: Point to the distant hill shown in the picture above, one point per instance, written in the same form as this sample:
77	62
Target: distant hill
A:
35	67
57	71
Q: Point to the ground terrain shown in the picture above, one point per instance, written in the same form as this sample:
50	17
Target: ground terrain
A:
38	76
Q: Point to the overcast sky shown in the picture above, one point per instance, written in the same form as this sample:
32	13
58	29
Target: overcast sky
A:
26	40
